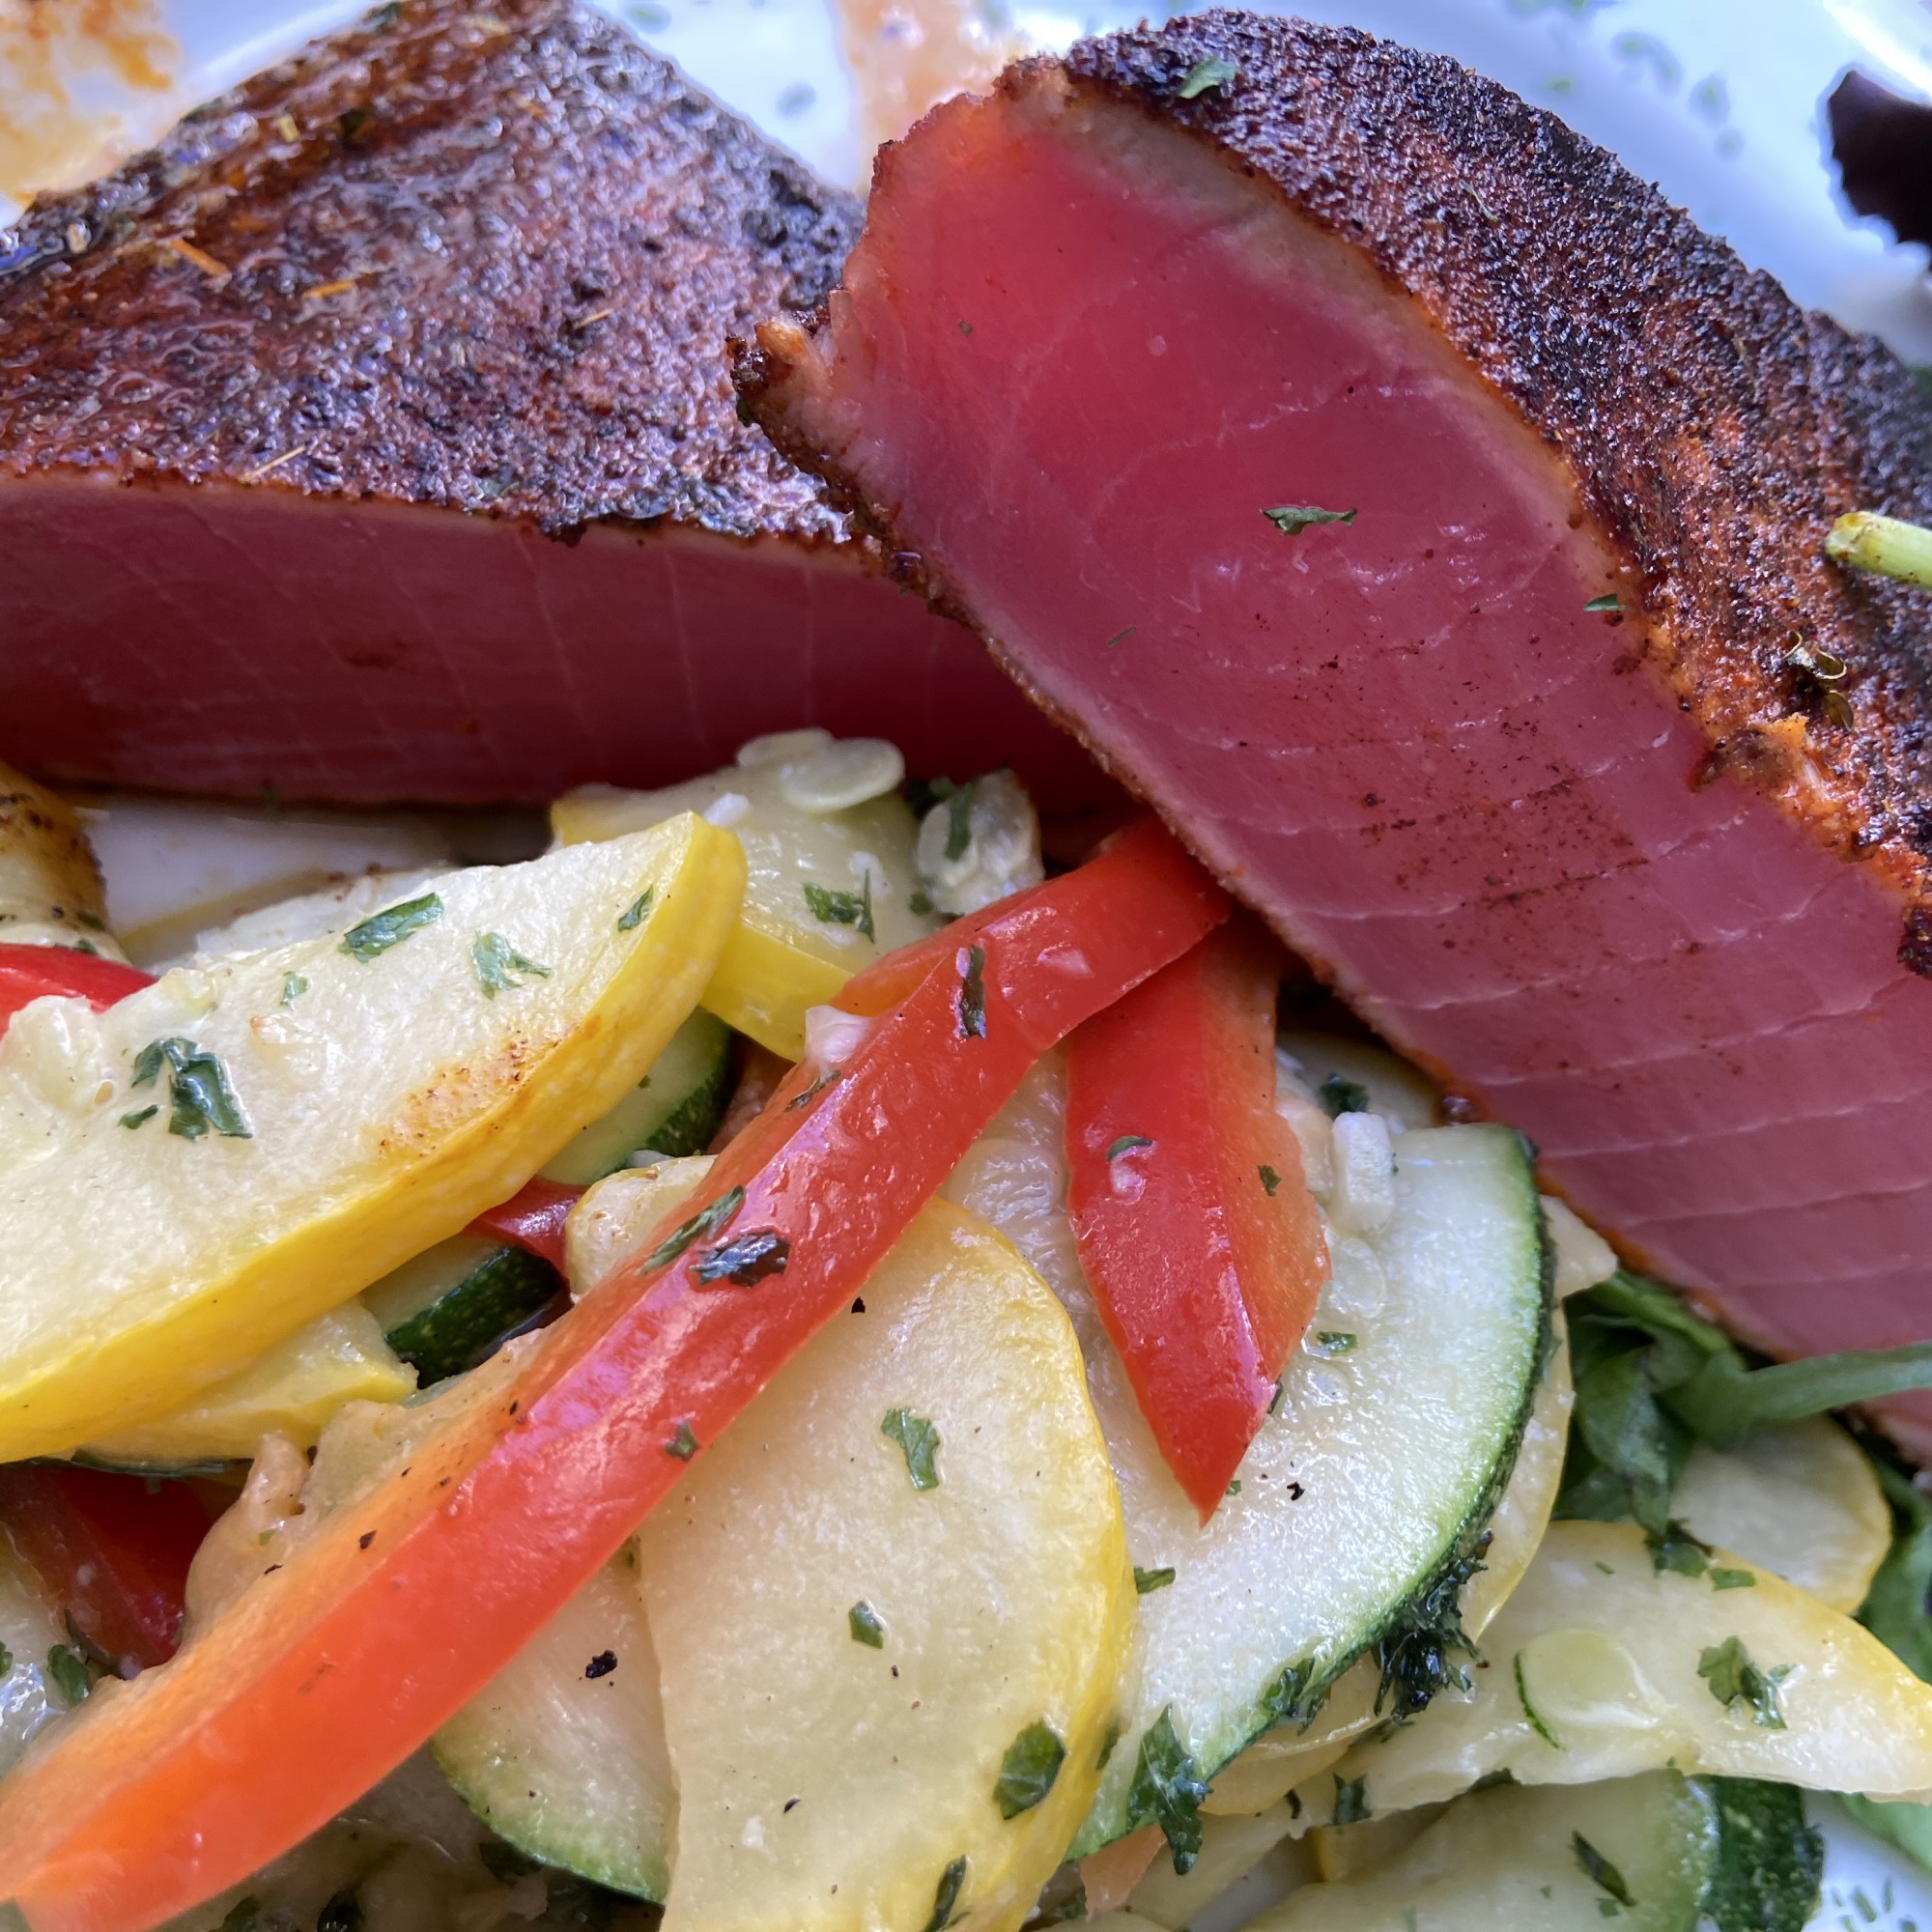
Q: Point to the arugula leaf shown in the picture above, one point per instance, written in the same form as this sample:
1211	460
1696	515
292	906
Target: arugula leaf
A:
1894	1608
1292	519
1205	74
1167	1791
1735	1679
836	908
1029	1769
499	963
863	1621
391	927
919	1440
1599	1872
945	1898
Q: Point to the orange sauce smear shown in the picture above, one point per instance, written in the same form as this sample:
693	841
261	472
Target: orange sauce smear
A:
60	64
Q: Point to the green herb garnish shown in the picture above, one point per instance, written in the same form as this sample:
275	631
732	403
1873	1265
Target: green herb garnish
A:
1734	1680
863	1621
139	1117
1126	1144
973	994
1599	1872
683	1444
1119	636
1292	519
746	1260
294	986
1271	1180
1147	1582
919	1439
6	1662
833	908
946	1899
633	915
959	818
1677	1550
1339	1096
1531	1716
1233	1489
1608	602
70	1674
1167	1791
1334	1340
384	929
706	1221
199	1095
919	904
242	1916
1028	1771
1204	74
1722	1579
498	965
1352	1801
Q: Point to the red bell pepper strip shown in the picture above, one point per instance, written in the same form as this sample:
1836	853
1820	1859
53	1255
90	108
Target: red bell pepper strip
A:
1195	1228
532	1218
328	1672
33	971
112	1550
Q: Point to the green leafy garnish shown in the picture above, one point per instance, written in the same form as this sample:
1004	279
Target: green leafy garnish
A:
294	986
1028	1771
139	1117
1271	1180
958	817
1147	1582
1734	1680
1233	1489
384	929
1531	1716
1608	602
919	1439
498	965
1352	1799
1722	1579
1599	1872
1126	1144
1292	519
1417	1652
706	1221
946	1899
1339	1096
633	915
199	1095
863	1621
834	908
973	994
746	1260
70	1674
1167	1791
921	904
1894	1608
1203	75
1334	1340
1120	637
1677	1550
683	1444
6	1662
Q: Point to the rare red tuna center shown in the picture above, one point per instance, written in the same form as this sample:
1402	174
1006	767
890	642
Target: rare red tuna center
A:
1280	555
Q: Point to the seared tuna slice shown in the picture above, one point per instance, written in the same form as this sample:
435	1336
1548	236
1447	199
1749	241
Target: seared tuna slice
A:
373	438
1429	522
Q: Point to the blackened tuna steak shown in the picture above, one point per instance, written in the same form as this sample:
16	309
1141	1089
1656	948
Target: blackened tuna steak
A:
373	438
1429	522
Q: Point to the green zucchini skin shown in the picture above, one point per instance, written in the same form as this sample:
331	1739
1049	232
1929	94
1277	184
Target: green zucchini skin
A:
675	1110
1770	1865
480	1301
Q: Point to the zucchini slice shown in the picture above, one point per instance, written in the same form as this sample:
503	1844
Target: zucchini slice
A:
1364	1501
1659	1854
457	1303
673	1110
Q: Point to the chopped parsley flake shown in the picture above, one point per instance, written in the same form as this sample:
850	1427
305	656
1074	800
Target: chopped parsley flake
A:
919	1439
1734	1680
1206	75
139	1119
1167	1791
498	965
683	1444
1339	1096
863	1621
746	1260
1352	1801
972	992
1126	1144
66	1667
946	1897
199	1095
706	1221
1147	1582
1608	602
921	904
1235	1488
832	908
1271	1180
1120	637
1531	1716
1028	1771
1334	1340
958	817
1677	1550
1722	1579
384	929
633	916
6	1662
1292	519
294	986
817	1087
1599	1872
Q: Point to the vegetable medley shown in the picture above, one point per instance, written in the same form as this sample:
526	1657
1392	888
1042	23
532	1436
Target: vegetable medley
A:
787	1365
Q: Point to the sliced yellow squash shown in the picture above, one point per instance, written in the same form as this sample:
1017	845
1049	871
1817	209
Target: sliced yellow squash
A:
192	1175
1800	1502
293	1390
1601	1667
831	881
891	1608
50	891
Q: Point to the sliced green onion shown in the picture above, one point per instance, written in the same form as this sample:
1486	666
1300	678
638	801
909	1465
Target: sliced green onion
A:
1867	541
